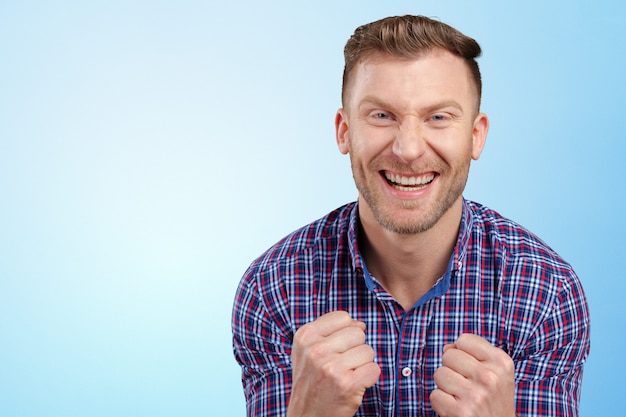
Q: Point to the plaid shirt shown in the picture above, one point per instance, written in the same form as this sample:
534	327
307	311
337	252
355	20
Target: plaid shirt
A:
502	283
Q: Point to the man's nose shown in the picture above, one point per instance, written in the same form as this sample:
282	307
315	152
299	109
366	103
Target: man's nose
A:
410	142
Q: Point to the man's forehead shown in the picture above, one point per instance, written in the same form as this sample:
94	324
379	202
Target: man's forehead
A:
367	68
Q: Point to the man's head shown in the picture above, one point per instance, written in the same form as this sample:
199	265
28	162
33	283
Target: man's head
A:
411	122
409	37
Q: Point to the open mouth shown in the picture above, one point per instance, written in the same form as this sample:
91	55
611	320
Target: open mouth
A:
408	183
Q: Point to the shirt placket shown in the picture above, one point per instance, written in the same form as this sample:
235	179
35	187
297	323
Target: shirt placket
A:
411	395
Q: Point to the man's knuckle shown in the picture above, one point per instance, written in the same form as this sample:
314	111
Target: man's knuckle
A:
489	379
317	351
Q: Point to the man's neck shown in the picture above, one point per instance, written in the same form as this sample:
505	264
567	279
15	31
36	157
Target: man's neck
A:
408	265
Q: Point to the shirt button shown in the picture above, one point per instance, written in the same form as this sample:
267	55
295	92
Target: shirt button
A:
406	372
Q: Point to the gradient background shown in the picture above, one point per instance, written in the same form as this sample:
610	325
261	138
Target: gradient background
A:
149	150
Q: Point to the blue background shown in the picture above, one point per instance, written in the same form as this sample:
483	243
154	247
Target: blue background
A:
149	150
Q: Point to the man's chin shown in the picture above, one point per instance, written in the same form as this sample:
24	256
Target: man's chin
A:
407	224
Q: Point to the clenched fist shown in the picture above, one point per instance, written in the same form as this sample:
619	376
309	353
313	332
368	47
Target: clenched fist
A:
475	380
332	367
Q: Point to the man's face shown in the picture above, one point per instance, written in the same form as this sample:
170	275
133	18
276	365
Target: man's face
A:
411	128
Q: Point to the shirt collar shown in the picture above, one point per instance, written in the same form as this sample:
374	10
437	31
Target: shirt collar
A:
456	260
462	244
353	234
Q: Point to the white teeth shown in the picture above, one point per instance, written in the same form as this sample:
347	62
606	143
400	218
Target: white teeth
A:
403	180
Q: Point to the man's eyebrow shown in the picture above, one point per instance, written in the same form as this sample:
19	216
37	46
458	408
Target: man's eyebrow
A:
442	105
378	102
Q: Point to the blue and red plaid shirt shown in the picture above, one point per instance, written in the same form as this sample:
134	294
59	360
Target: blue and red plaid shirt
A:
502	283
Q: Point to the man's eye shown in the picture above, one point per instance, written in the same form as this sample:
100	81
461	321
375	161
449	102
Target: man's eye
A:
381	115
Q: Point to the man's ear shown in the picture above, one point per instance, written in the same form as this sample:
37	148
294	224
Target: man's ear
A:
479	135
341	131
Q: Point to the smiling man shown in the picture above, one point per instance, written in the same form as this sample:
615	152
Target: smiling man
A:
411	301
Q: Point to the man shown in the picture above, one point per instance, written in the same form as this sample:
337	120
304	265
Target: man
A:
412	301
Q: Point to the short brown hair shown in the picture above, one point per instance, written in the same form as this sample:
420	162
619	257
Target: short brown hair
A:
409	37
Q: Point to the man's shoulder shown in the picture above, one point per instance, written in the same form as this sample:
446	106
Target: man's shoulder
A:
511	238
332	228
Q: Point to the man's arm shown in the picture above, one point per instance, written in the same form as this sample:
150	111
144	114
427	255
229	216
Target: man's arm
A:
262	347
541	377
324	369
549	365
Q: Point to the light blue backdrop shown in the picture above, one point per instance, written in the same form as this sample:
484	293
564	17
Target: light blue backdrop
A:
149	150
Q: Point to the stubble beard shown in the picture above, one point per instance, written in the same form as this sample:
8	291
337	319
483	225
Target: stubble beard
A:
418	219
